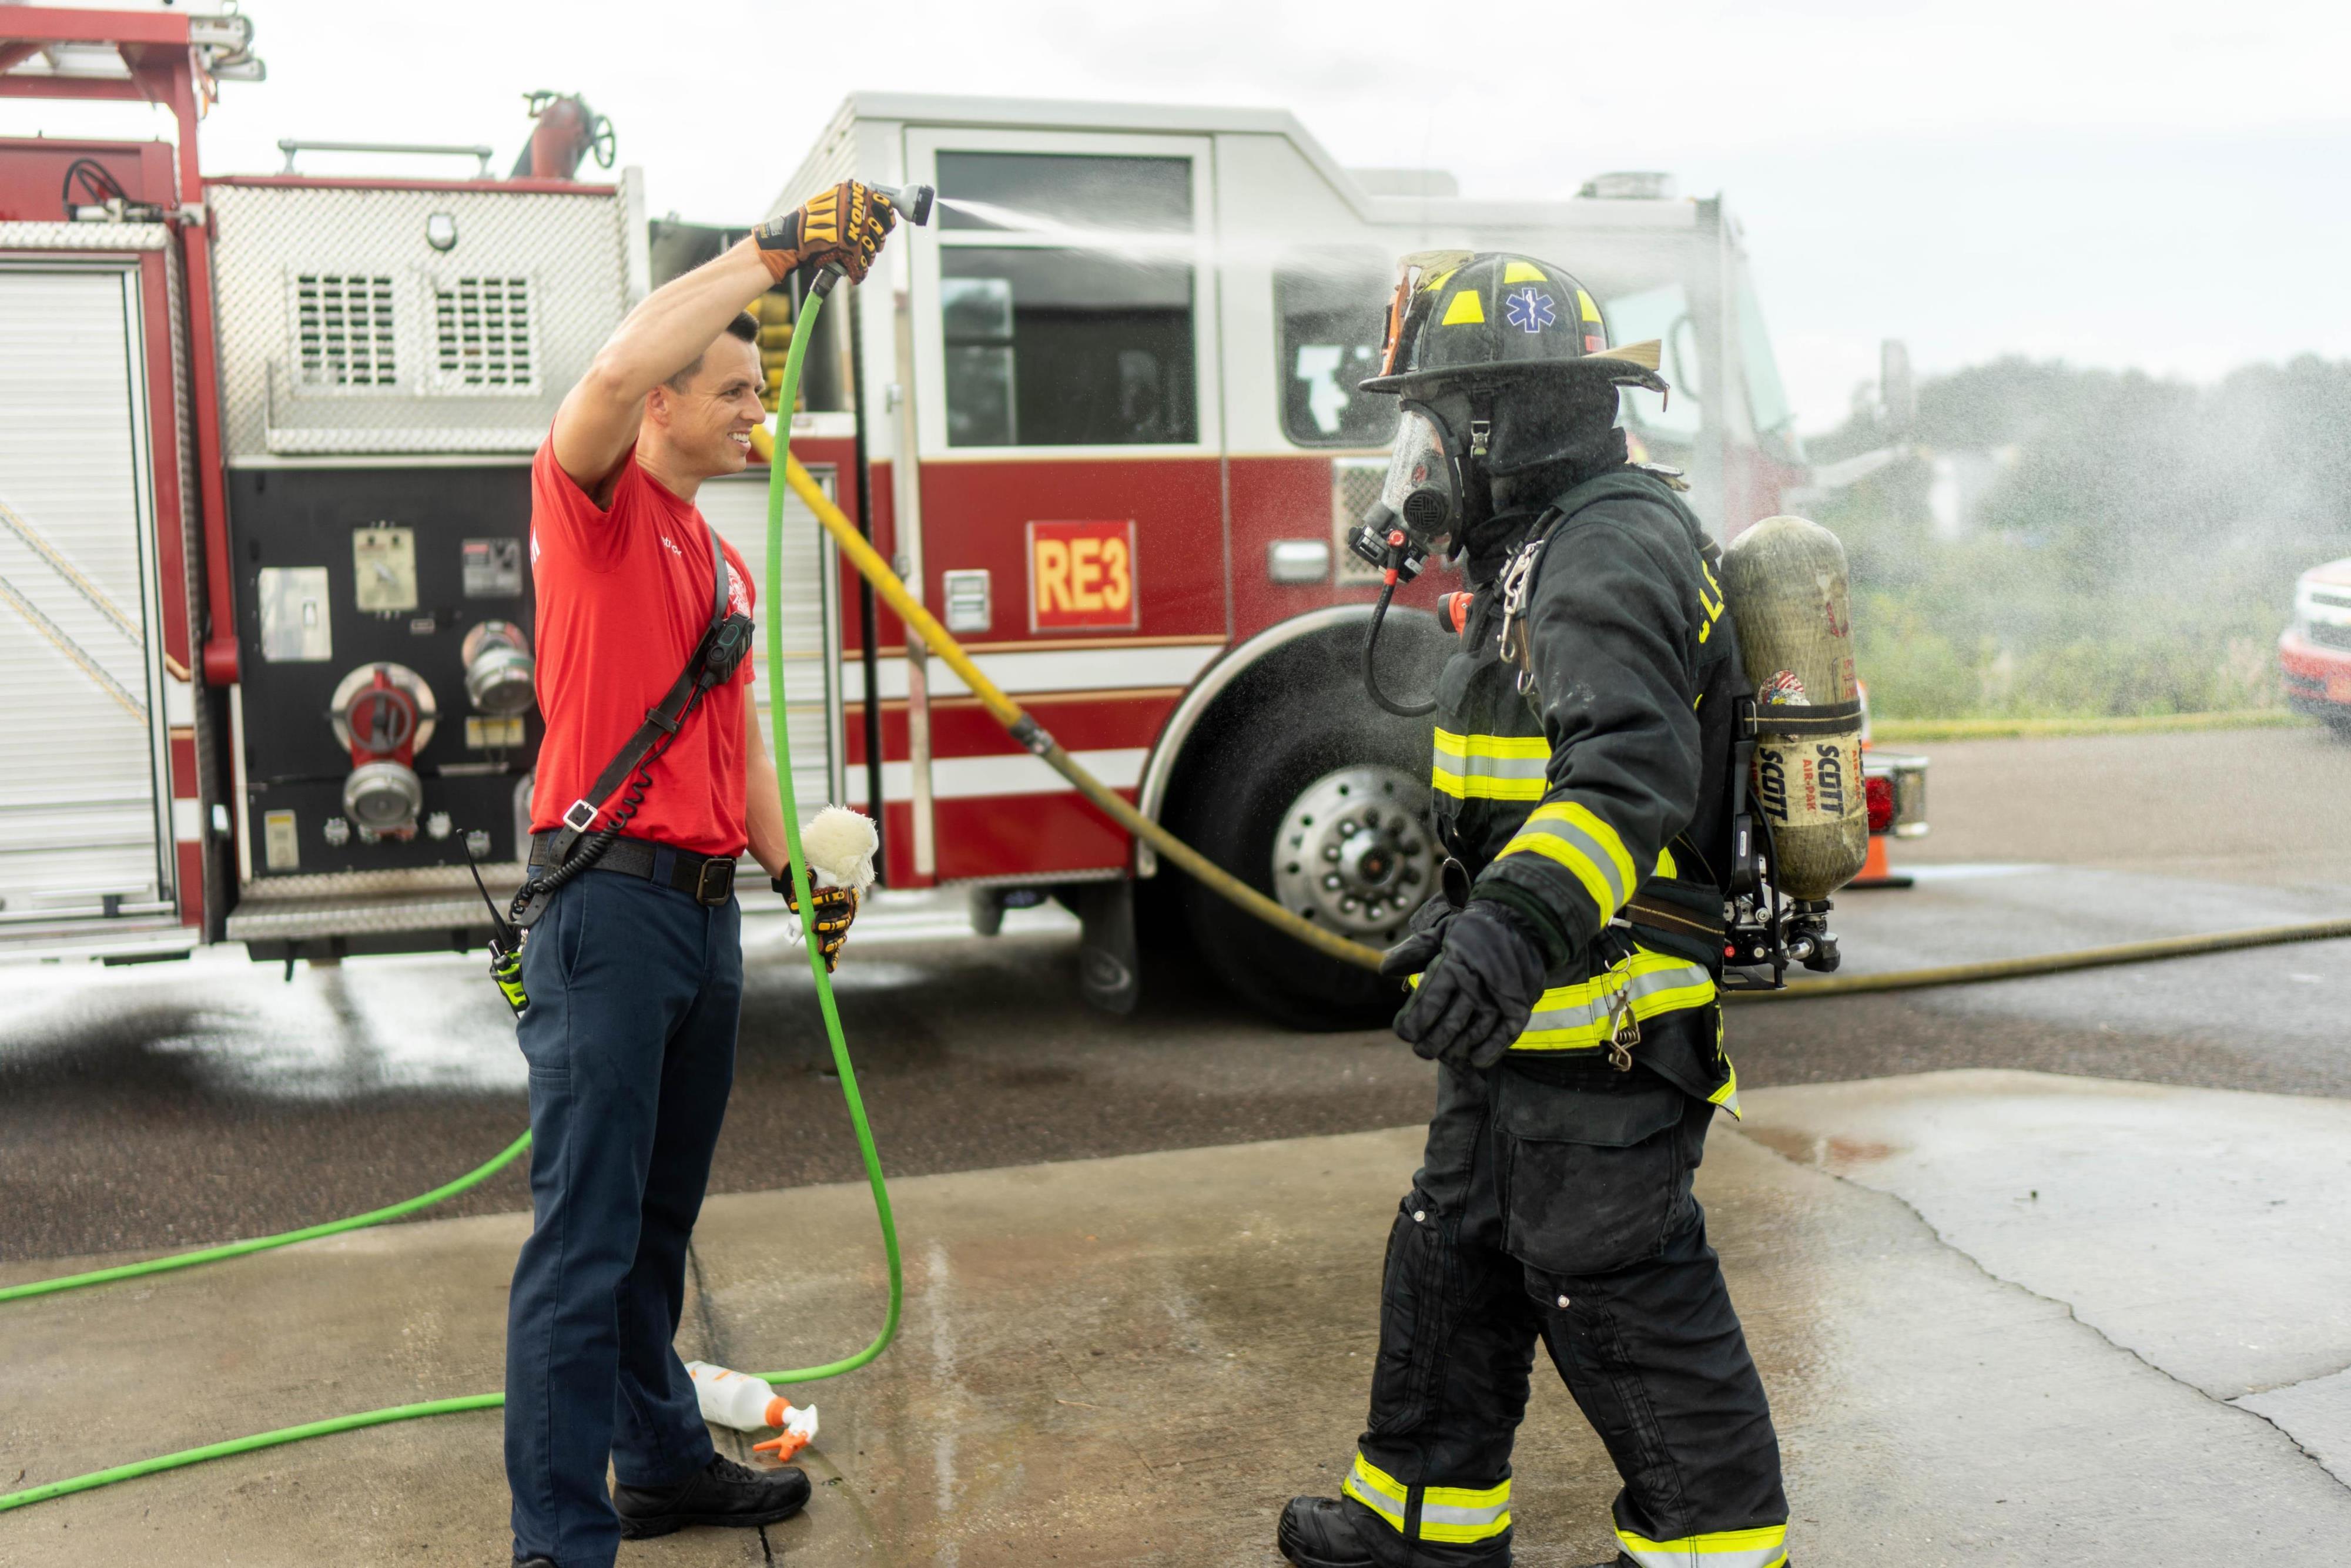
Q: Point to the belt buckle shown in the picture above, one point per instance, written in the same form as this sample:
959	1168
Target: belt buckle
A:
715	884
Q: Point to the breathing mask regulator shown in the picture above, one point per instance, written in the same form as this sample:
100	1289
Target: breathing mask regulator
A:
1470	337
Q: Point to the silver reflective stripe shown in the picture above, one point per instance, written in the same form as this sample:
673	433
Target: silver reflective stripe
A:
1497	767
1465	1517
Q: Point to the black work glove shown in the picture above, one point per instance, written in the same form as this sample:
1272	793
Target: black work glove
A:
835	908
1423	935
1476	999
1424	932
843	228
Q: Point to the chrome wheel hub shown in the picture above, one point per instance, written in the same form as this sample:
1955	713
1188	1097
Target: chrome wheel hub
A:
1353	852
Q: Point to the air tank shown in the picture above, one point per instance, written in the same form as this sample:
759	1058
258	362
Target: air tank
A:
1785	578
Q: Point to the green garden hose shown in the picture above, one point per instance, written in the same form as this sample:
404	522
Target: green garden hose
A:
786	394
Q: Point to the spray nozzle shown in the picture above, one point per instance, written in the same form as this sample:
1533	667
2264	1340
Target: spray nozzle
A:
912	202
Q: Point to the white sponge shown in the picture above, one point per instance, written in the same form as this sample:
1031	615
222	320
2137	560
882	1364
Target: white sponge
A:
841	844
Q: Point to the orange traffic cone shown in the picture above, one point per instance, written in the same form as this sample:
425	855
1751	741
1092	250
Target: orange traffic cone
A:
1876	872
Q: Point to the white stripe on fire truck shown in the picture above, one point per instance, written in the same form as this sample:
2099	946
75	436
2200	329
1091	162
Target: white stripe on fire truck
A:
187	820
1047	670
965	778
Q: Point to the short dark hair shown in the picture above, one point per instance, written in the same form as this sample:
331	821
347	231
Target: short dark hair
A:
745	326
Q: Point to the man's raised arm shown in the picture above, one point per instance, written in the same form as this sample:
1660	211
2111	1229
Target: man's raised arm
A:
676	322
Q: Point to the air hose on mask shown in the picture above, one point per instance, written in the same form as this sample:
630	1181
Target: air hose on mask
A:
777	483
1384	542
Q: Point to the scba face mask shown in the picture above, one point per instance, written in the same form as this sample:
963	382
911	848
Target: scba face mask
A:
1423	486
1434	486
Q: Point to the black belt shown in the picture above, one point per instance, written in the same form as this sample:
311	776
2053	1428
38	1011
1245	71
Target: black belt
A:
709	878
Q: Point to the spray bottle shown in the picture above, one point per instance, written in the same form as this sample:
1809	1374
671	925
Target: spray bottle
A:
748	1404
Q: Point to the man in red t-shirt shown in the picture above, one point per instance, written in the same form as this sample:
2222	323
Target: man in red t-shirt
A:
634	968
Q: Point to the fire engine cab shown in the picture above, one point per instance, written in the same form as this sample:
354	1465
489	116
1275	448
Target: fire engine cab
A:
264	593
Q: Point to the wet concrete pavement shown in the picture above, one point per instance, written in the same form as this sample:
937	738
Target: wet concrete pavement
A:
1134	1360
164	1105
2004	1318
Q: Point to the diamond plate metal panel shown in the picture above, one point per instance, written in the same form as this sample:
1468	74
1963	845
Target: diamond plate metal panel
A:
484	338
84	237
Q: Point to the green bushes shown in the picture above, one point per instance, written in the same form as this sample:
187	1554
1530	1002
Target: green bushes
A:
2133	554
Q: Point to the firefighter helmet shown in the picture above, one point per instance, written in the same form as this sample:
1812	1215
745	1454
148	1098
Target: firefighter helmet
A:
1459	317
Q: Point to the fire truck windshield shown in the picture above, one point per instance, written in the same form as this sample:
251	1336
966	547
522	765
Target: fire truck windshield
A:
1663	314
1066	294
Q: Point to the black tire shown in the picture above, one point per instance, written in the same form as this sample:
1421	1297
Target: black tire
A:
1237	792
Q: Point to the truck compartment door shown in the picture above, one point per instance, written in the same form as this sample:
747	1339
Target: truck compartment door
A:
85	831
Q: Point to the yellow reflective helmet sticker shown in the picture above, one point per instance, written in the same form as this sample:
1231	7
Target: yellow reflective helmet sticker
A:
1523	272
1464	310
1583	303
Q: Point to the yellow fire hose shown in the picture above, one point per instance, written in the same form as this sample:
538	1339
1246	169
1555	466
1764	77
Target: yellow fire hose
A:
1029	733
1026	730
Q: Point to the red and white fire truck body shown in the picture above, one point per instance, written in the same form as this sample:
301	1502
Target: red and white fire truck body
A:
1120	366
264	507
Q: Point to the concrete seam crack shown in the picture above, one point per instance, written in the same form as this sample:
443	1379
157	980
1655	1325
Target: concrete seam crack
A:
1977	1264
711	1337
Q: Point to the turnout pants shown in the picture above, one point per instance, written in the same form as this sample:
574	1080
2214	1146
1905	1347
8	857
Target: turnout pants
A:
634	989
1555	1205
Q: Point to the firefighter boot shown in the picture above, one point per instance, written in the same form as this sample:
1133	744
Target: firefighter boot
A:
1315	1533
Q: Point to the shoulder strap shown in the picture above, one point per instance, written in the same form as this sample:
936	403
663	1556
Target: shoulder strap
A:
662	719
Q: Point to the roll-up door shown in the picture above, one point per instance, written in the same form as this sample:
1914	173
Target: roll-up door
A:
737	508
82	831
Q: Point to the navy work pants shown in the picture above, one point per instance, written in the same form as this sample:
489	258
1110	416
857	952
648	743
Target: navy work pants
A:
1554	1207
634	990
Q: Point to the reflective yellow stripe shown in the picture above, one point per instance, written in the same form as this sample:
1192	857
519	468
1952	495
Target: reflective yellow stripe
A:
1568	832
1378	1490
1665	866
1765	1547
1575	1018
1464	310
1491	767
1469	787
1461	1514
1447	1513
1728	1095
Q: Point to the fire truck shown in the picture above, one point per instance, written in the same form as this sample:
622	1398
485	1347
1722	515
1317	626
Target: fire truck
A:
264	507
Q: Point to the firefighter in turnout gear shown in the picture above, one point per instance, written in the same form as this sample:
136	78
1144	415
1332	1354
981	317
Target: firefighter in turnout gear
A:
1567	987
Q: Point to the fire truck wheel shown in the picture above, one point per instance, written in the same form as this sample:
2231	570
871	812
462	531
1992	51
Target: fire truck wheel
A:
1324	808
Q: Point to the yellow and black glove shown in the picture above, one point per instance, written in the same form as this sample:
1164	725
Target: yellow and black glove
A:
843	226
835	908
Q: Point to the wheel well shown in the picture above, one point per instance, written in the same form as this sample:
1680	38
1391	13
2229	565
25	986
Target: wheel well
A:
1325	660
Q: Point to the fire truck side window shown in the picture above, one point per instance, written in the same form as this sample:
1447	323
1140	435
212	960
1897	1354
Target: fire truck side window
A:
1663	314
1067	320
1330	325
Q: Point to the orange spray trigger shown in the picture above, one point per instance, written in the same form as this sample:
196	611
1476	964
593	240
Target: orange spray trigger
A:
781	1449
794	1429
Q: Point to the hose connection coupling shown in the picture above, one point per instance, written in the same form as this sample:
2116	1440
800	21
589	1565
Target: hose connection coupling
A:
1033	736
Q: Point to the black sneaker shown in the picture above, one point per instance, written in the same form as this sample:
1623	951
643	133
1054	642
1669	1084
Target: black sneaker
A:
1315	1533
723	1493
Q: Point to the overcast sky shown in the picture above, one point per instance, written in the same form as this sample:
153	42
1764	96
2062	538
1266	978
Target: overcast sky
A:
2157	185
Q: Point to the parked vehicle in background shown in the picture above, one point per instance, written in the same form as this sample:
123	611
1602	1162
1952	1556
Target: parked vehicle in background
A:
2315	651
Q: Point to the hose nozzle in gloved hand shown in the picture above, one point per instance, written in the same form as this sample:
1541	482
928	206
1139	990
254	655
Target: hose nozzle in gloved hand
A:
843	227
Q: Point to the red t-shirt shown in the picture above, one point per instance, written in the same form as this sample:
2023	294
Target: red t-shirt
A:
624	598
